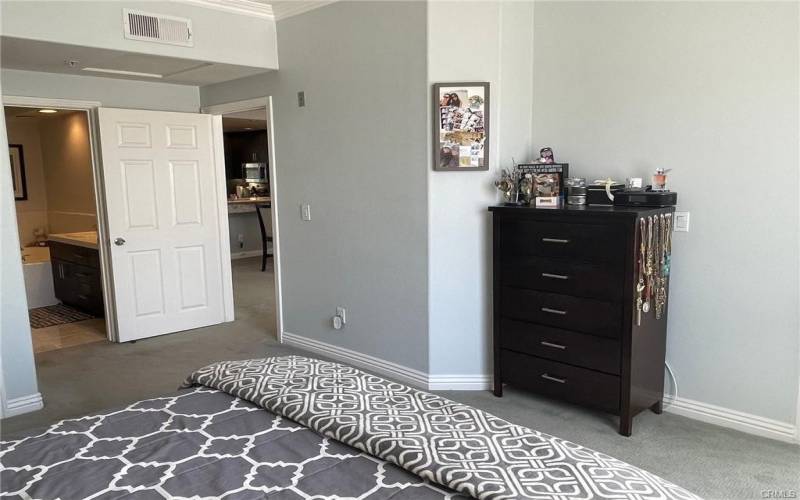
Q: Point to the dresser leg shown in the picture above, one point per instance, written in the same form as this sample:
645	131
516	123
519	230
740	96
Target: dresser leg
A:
658	407
498	388
625	425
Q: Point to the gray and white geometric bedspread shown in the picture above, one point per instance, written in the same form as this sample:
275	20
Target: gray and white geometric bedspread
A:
449	443
201	443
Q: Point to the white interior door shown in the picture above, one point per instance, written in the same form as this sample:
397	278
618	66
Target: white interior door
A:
163	221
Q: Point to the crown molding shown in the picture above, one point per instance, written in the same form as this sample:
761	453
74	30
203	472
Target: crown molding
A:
291	9
242	7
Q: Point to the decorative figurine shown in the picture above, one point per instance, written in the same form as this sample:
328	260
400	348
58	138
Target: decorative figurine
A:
546	156
506	185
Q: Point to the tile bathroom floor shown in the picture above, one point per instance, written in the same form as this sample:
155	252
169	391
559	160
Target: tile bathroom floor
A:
56	337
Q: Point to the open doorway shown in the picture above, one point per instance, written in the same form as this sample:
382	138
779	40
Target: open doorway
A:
249	178
57	219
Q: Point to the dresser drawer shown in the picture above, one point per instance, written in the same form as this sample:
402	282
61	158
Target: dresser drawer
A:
75	254
589	242
600	281
588	351
591	316
570	383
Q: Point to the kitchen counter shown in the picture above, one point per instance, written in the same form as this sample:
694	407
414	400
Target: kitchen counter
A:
86	239
246	205
254	200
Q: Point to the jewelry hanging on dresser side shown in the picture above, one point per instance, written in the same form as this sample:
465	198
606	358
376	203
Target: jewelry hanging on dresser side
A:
661	292
656	282
665	251
641	266
648	266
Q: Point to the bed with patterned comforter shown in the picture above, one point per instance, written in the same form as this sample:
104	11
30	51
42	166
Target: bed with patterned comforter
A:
299	428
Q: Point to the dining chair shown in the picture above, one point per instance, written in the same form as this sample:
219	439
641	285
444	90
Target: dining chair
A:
265	224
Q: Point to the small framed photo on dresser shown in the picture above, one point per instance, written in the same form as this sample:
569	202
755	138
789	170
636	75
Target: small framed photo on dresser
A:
461	126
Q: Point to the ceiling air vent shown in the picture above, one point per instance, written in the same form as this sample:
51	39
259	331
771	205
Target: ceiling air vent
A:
149	27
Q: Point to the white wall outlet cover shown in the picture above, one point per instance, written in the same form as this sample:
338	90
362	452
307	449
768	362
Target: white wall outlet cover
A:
337	323
342	313
681	222
305	211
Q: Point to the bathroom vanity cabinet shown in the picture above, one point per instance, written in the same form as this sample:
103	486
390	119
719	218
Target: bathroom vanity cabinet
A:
76	276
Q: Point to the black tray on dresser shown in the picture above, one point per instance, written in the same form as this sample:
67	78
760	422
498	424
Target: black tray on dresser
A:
564	308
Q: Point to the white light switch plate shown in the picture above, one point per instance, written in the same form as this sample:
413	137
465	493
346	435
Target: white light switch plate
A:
681	222
306	211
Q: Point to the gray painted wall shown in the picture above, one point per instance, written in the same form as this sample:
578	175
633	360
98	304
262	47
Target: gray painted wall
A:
459	231
111	92
358	154
17	372
709	89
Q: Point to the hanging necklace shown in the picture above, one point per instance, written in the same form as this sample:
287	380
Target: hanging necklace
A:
640	282
668	246
661	292
648	266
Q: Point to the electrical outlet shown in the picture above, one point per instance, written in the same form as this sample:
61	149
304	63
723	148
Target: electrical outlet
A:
301	99
305	211
681	222
342	313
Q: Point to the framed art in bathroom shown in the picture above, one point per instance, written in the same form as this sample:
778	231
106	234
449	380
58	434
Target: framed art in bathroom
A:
18	171
461	126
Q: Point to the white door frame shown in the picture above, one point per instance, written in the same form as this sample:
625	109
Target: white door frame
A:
249	105
90	108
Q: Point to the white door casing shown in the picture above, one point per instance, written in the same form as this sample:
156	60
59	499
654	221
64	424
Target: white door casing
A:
162	203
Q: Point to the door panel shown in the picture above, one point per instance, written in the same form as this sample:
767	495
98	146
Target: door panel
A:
185	188
159	176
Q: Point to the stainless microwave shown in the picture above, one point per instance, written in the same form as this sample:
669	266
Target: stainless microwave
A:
254	172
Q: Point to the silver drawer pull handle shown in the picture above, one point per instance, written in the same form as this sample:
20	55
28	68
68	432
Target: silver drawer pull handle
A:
554	311
555	276
554	379
554	346
554	240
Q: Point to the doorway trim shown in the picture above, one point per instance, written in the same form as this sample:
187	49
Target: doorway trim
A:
249	105
90	108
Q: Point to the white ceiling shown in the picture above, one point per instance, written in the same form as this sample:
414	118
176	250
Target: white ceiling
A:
281	9
22	115
34	55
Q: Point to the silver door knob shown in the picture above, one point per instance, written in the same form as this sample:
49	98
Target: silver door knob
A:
119	241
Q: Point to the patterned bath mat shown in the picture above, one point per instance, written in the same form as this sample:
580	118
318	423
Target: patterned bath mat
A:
59	314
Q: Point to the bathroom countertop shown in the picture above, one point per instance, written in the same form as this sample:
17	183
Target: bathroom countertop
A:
86	239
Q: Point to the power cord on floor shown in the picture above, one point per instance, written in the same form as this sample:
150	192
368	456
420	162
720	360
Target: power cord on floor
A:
674	383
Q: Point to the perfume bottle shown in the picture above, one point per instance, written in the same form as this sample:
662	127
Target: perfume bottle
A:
660	179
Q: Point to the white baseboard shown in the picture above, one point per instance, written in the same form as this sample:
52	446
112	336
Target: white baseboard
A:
245	254
459	382
732	419
398	372
23	404
723	417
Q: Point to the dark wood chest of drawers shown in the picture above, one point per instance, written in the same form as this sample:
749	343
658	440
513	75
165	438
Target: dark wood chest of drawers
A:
565	315
77	279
